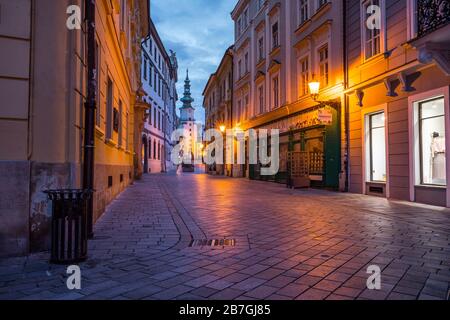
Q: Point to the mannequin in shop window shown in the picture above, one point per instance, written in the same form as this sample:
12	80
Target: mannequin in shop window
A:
438	174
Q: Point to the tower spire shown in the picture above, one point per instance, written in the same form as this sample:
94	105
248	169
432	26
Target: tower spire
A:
187	97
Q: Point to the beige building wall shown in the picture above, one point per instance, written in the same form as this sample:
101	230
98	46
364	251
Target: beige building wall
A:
42	76
217	101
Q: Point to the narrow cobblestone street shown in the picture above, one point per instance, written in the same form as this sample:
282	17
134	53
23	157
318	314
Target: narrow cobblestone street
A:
290	244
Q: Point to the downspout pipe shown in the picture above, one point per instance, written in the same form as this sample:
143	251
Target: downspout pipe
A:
89	112
346	100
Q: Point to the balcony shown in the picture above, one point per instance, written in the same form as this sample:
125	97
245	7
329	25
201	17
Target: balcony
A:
432	15
433	33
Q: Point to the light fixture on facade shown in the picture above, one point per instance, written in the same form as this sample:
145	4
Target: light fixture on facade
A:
314	87
222	128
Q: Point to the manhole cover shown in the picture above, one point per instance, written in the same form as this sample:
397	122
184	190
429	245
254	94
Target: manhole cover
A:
100	238
213	243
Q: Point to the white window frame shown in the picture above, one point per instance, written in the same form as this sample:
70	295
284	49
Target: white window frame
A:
98	71
300	74
300	21
317	64
272	91
261	109
261	51
365	114
383	39
277	21
414	156
411	15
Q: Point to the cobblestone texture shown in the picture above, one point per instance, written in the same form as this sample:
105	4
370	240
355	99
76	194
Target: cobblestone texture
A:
302	244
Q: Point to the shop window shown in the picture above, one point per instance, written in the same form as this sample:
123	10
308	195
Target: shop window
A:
431	116
376	147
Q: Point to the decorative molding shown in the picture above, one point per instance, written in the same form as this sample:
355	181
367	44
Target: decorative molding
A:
390	88
435	52
360	96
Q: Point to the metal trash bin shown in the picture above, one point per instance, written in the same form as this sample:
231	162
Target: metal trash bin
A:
69	225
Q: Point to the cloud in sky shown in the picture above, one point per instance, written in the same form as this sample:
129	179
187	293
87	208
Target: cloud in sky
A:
199	31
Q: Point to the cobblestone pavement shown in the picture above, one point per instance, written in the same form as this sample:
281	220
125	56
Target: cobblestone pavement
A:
290	244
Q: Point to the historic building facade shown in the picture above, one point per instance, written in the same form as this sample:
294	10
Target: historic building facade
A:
398	98
281	46
159	78
43	88
192	131
218	103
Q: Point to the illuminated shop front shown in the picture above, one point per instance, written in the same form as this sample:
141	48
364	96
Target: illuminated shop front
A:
315	131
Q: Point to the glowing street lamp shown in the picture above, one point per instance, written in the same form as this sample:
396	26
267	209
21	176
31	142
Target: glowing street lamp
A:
222	128
314	87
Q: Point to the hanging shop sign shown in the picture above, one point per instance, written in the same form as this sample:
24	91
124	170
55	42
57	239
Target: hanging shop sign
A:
318	117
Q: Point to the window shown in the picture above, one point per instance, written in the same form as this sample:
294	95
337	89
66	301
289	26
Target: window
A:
322	3
260	4
239	110
154	149
122	14
109	110
323	66
276	91
432	142
261	49
304	76
97	71
246	62
240	68
303	11
275	40
144	71
261	99
150	76
120	132
246	111
371	33
159	150
245	19
127	131
377	147
238	25
154	117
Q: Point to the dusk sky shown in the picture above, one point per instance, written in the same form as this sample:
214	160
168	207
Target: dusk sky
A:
199	31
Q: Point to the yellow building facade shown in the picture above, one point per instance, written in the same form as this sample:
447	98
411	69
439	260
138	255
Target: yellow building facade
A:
43	88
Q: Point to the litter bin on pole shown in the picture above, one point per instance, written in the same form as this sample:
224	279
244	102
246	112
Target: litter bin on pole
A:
69	225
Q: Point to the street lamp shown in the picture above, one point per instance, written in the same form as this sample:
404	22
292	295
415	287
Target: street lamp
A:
222	128
314	87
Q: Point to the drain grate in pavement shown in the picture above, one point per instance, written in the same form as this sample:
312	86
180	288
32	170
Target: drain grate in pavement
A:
213	243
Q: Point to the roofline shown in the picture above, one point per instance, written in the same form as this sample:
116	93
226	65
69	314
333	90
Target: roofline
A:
153	31
228	53
237	8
